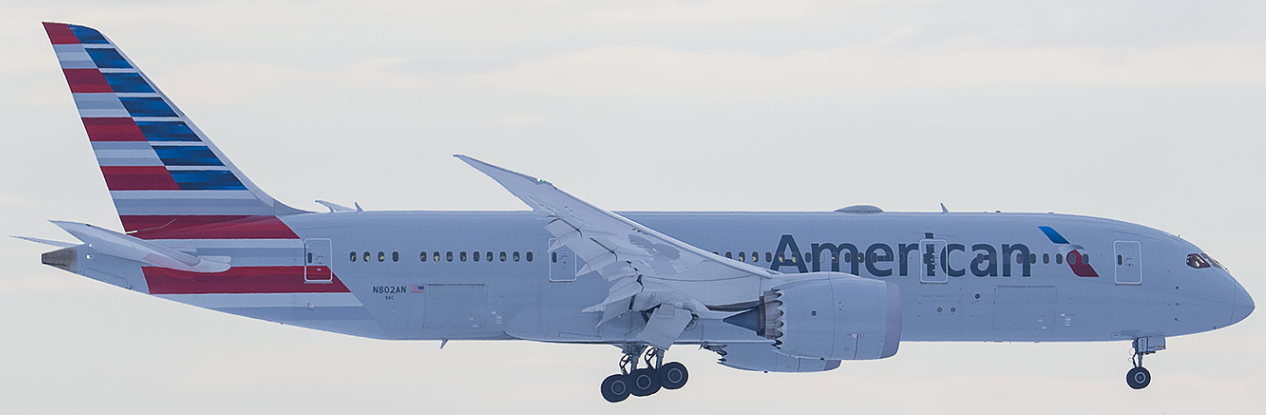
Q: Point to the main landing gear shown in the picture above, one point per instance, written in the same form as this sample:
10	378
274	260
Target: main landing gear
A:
643	381
1139	377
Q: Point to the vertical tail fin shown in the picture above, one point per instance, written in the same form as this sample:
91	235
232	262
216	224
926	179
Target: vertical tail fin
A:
165	176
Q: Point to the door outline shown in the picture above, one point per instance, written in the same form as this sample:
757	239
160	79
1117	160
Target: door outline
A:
939	273
317	253
561	261
1128	262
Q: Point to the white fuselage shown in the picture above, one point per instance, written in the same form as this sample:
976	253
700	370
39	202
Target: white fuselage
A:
964	297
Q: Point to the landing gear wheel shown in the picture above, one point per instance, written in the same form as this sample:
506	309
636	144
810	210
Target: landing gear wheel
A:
1138	378
615	388
673	375
643	382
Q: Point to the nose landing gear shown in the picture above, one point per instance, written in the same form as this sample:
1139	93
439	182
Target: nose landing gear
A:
644	381
1139	377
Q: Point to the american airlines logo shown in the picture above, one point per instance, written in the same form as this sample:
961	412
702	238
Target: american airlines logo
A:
927	257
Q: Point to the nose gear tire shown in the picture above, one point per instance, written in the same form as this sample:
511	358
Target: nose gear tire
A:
1138	378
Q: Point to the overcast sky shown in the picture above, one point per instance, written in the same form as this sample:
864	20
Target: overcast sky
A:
1144	111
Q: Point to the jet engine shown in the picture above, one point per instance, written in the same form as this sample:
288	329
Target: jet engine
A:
829	316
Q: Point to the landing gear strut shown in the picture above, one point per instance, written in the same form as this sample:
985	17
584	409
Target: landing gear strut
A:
643	381
1139	377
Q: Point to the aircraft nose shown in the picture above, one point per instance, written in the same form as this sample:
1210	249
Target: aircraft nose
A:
1242	305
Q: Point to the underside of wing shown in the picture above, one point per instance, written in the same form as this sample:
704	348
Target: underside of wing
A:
646	268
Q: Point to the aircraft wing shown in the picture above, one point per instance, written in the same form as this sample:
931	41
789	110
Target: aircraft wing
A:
648	269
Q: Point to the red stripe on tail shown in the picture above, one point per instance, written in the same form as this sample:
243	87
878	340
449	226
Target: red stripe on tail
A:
139	178
86	80
112	129
60	34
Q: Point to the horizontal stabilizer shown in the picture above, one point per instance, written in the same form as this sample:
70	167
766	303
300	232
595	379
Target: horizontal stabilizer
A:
50	242
132	248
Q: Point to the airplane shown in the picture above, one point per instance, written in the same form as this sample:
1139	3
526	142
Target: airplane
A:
766	291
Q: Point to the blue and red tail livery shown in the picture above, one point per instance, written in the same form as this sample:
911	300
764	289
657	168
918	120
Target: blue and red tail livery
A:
162	172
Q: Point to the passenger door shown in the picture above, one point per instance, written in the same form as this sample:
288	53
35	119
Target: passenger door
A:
931	267
562	263
316	261
1129	262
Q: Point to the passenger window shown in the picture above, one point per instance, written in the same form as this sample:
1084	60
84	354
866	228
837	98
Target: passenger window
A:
353	256
449	255
516	256
476	255
381	256
422	257
1118	260
1059	259
309	257
366	256
489	257
437	256
742	257
529	256
1085	259
807	257
1196	261
503	256
1032	258
755	256
1046	258
463	255
1019	258
395	256
848	257
769	257
727	255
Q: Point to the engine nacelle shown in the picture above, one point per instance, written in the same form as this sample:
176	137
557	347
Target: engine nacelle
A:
834	317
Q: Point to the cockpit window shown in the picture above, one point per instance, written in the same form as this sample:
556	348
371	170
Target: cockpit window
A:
1197	261
1212	261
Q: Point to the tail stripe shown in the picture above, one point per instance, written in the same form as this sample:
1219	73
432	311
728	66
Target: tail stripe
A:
127	82
124	153
138	178
73	57
100	106
60	34
113	129
86	80
107	58
87	35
